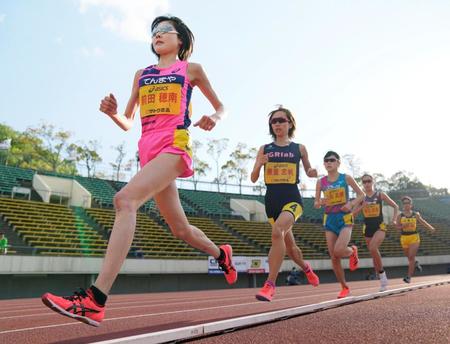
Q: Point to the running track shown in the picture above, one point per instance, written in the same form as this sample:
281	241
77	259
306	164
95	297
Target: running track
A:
420	316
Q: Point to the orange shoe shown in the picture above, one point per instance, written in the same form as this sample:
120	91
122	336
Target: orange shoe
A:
80	306
227	264
267	292
312	278
344	293
354	260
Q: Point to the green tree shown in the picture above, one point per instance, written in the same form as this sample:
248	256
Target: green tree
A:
236	168
260	187
24	151
200	166
53	147
86	153
382	184
436	192
215	148
117	165
405	183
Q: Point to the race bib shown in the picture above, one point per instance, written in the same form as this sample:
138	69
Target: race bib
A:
335	196
408	225
280	173
163	99
371	210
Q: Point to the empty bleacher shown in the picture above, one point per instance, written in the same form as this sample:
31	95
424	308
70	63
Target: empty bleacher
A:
221	236
12	176
311	240
102	192
260	235
51	229
153	240
210	203
58	230
310	213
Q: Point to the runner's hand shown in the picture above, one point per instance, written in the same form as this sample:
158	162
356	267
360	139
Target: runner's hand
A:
206	122
108	105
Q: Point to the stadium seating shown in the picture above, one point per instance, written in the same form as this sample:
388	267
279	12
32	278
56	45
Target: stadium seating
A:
11	176
150	206
220	236
209	203
310	213
311	240
260	235
60	230
102	192
51	229
152	239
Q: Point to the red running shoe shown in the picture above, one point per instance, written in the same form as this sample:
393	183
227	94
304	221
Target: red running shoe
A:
354	260
80	306
227	266
266	293
312	278
344	293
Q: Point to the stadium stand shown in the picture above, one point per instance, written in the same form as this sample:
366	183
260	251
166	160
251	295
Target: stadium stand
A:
221	236
311	240
150	206
61	230
259	234
152	239
12	176
209	203
102	192
310	213
51	229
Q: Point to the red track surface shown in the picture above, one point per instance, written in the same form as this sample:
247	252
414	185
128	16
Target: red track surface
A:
421	316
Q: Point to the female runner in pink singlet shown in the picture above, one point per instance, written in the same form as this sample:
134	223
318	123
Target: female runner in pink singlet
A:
163	94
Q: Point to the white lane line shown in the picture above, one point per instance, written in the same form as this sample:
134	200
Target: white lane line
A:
191	332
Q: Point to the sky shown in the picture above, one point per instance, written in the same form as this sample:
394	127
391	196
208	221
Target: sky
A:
368	78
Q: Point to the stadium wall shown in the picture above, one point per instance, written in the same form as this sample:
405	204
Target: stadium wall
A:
31	276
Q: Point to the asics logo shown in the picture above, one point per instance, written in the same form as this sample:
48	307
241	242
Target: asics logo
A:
81	309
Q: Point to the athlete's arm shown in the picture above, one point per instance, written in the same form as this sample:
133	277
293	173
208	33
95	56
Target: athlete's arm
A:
261	159
108	106
310	172
425	223
198	77
394	205
317	201
399	223
357	209
359	194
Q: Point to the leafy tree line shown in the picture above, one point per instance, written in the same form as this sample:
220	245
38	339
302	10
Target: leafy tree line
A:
46	148
233	170
399	184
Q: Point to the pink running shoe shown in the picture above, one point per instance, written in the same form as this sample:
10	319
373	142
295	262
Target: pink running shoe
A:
80	306
227	266
354	260
344	293
266	293
312	278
